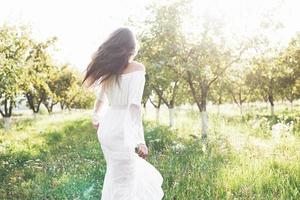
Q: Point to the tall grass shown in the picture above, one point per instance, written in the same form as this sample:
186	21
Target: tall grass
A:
59	157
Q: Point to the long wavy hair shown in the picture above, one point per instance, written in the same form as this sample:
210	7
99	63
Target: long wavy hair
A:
113	55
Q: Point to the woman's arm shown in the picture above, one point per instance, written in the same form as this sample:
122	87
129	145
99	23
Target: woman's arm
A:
96	112
101	98
135	111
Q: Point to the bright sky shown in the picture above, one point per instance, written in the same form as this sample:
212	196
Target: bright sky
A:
81	25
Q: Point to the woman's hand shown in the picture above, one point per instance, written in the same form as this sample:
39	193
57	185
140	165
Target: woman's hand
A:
95	119
142	150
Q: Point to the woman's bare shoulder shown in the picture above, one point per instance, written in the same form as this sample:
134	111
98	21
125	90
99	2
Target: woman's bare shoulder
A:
134	66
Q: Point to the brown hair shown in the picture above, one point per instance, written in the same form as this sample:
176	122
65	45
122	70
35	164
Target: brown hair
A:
111	57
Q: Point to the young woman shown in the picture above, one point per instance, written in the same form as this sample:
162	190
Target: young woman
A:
120	82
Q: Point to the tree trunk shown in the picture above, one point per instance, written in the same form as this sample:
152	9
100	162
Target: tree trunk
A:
204	117
171	117
271	100
6	113
204	125
157	115
219	104
62	106
272	110
34	115
218	109
7	123
32	106
241	109
49	107
145	109
201	104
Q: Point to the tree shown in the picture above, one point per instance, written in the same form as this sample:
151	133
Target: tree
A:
289	78
13	51
219	94
264	79
63	85
67	86
81	99
160	50
53	83
147	93
206	60
37	72
265	72
237	86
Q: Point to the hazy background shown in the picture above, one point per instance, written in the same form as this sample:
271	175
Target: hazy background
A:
81	25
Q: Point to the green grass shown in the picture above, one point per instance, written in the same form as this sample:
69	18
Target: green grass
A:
59	157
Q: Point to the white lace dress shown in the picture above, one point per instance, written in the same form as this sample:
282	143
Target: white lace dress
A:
128	176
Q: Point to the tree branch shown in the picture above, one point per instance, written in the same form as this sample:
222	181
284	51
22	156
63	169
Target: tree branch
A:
227	66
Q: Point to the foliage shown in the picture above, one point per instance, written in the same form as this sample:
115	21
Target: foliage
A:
14	49
161	50
27	67
39	67
289	78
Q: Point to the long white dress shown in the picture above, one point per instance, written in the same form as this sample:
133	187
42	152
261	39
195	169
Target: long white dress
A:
128	176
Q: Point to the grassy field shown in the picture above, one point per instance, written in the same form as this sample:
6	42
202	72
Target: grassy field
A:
254	157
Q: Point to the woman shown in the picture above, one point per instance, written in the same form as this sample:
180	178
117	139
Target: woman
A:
120	130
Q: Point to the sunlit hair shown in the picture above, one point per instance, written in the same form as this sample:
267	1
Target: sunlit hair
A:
111	58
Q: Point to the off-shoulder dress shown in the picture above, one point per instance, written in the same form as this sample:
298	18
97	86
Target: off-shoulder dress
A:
128	176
